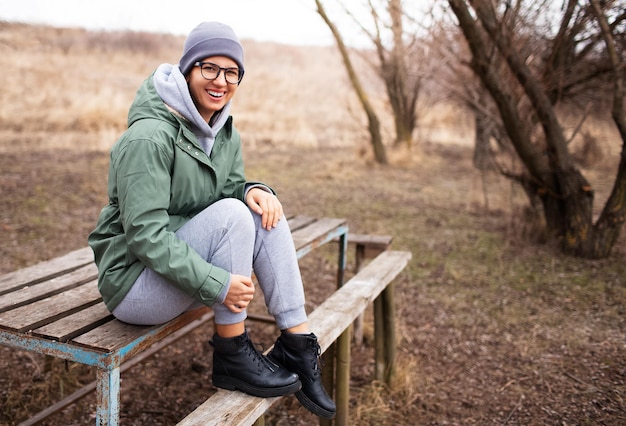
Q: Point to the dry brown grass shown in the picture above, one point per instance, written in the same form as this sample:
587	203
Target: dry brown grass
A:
493	328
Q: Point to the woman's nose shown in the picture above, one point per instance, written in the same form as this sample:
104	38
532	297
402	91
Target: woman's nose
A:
221	78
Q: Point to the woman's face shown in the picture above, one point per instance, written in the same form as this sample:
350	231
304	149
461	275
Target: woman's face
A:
210	96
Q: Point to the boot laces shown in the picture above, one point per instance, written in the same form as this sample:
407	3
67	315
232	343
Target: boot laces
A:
258	358
316	360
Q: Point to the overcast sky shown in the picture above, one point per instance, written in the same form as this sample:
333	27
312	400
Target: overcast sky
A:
283	21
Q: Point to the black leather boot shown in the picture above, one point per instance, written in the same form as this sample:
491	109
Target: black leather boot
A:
238	365
299	353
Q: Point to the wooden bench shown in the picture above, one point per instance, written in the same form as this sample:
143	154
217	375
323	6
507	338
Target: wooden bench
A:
54	308
331	322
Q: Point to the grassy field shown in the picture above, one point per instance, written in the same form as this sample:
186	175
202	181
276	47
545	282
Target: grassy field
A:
494	326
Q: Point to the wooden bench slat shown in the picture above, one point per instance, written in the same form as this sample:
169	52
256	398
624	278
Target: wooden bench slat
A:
73	325
230	410
312	233
112	335
300	221
328	321
115	334
338	311
48	288
51	309
370	240
45	270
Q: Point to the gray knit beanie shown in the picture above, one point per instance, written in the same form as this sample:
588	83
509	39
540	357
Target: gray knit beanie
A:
210	39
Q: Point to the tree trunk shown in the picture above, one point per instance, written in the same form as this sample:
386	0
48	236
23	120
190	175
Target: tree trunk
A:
483	128
404	133
482	155
395	76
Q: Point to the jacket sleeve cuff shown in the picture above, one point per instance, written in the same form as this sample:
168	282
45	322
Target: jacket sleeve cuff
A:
214	288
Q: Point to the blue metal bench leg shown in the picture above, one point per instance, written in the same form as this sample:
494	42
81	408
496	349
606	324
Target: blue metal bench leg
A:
108	394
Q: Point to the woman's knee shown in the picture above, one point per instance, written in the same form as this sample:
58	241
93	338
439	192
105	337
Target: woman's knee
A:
237	213
226	213
232	205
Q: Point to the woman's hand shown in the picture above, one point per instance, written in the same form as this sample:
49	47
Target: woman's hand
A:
240	293
265	204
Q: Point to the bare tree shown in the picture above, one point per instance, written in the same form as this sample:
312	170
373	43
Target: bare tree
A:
372	118
399	60
573	60
402	82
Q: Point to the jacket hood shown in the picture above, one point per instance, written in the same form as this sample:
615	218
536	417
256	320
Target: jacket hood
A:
148	104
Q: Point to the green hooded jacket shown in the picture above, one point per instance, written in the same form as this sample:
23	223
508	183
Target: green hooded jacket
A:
159	178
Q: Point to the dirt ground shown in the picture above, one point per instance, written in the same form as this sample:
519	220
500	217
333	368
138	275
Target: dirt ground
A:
493	328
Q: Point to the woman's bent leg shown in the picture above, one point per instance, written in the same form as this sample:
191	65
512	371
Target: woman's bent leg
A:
276	266
297	350
224	235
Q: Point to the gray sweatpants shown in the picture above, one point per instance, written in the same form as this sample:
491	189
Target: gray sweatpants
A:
229	235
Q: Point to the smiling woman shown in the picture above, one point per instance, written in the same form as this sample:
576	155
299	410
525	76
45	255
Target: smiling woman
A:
183	228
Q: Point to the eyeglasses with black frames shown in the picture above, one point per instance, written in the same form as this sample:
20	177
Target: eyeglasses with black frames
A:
211	71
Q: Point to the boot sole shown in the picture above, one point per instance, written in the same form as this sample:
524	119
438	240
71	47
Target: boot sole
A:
230	383
313	407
